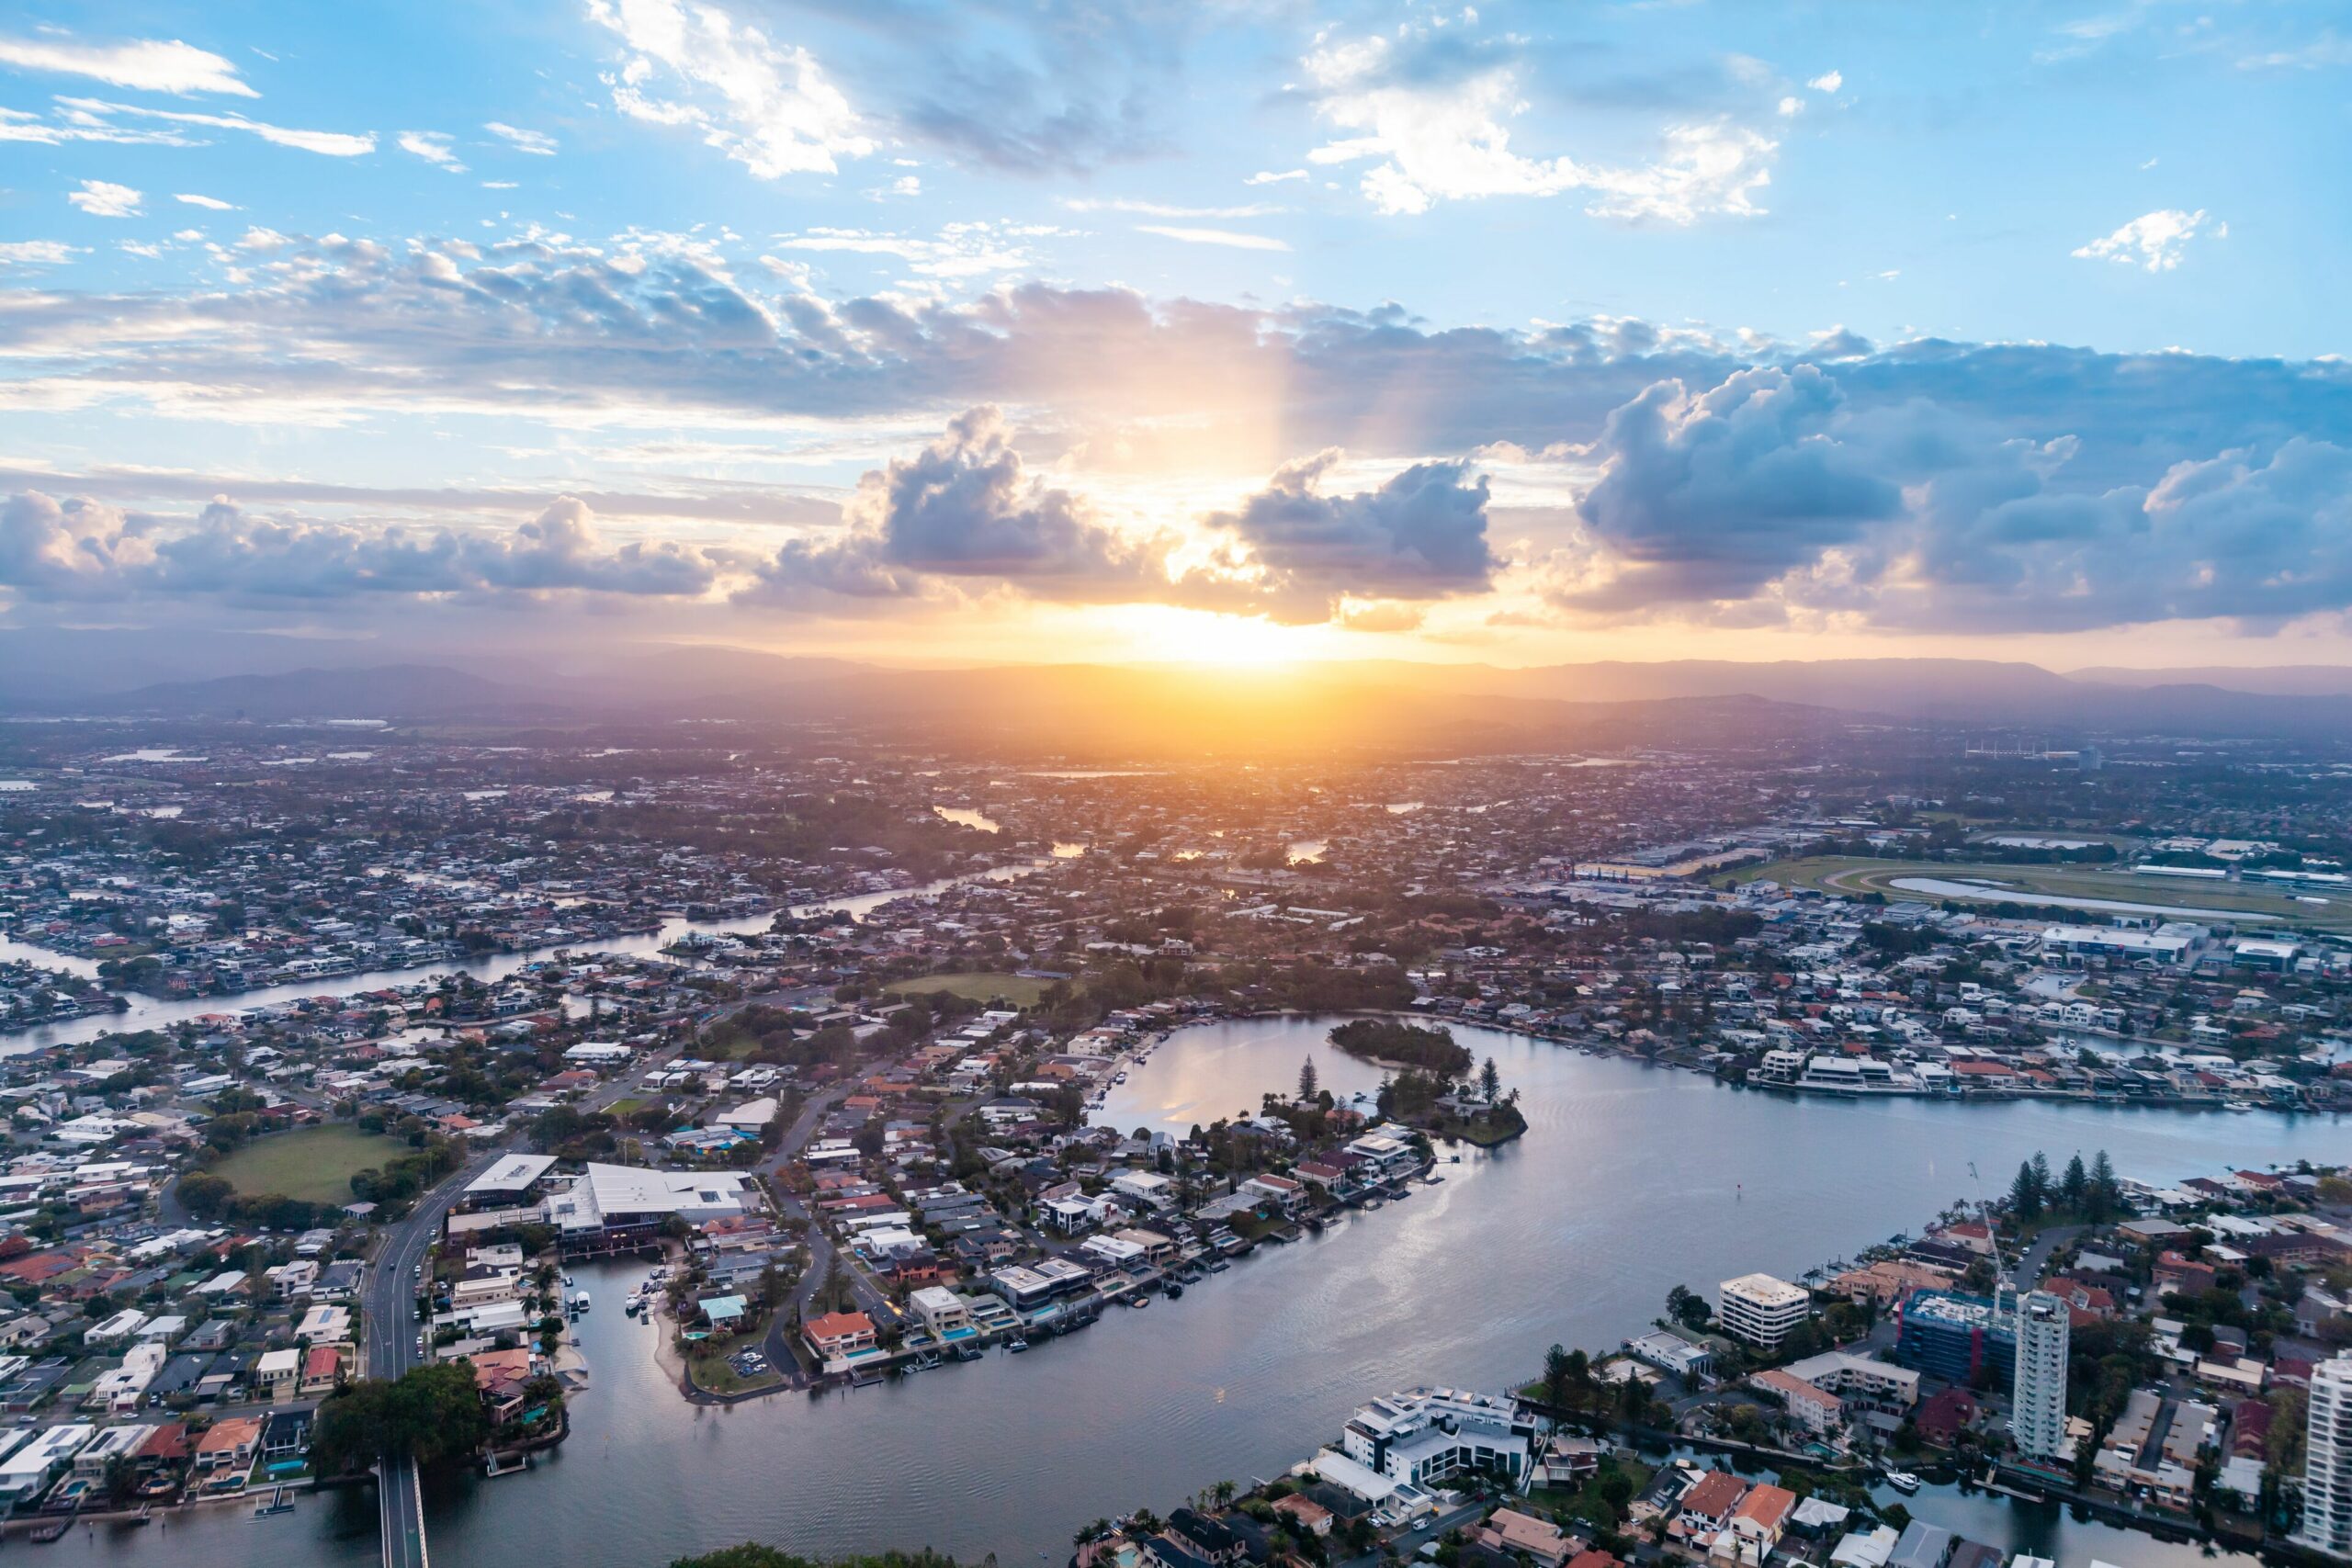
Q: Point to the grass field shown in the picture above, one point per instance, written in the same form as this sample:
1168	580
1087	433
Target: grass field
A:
312	1165
1019	990
2031	884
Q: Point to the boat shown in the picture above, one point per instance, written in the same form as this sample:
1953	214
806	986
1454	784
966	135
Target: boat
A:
1139	1302
1174	1289
580	1302
1903	1481
1015	1346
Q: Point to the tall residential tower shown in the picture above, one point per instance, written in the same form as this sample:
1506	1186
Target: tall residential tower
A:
2038	1402
2327	1462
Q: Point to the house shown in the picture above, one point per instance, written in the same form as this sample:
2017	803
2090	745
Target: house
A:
321	1371
1755	1526
277	1374
838	1334
1508	1530
228	1448
1922	1545
1304	1513
1707	1507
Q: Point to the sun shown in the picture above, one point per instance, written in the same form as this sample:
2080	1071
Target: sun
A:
1160	634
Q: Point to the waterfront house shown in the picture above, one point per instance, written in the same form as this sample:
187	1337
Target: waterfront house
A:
836	1334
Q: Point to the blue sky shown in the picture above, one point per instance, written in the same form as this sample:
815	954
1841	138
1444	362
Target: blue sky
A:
1111	328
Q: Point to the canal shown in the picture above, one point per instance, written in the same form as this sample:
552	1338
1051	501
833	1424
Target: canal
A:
157	1013
1631	1179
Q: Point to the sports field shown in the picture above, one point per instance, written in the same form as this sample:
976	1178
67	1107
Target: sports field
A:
1995	881
1017	990
313	1165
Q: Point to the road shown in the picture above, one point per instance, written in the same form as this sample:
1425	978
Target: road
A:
390	1342
2028	1272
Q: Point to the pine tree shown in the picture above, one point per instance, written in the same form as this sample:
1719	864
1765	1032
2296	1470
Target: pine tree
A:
2044	1187
2025	1193
2105	1194
1490	1082
1306	1079
2073	1187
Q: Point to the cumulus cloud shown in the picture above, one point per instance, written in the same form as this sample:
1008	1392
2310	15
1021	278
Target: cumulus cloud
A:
35	252
147	66
101	198
2154	241
538	143
1711	496
1448	138
81	549
1421	535
768	106
966	509
1827	81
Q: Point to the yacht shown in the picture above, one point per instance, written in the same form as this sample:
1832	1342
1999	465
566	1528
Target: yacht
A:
1903	1481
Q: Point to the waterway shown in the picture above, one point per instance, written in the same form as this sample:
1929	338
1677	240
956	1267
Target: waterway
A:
156	1012
1632	1180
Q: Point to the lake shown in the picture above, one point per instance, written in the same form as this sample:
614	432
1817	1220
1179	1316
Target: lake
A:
1632	1180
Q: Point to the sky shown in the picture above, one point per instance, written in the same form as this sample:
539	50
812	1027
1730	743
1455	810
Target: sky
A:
1044	329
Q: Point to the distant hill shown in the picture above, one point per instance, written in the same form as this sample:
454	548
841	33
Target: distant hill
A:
1389	706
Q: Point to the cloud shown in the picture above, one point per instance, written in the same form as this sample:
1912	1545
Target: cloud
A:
1421	535
82	549
211	203
1827	81
93	117
1448	139
1038	87
2154	241
433	146
100	198
1711	497
1163	209
1232	239
147	66
1270	177
965	508
538	143
769	107
36	252
959	250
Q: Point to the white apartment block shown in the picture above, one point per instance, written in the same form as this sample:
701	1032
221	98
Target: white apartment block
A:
2327	1465
1761	1309
2037	1403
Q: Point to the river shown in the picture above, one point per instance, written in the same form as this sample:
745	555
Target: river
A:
1632	1180
156	1012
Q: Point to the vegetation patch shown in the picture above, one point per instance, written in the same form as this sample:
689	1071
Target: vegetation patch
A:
311	1165
1432	1051
1013	990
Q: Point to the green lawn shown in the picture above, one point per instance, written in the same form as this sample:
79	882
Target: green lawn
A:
311	1165
2007	883
1018	990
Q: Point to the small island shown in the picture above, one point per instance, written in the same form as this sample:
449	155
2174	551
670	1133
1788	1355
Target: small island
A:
1394	1042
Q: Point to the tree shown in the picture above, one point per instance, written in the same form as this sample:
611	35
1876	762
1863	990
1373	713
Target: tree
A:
2025	1193
2105	1192
1555	1379
1490	1082
428	1413
2073	1187
2042	1184
1306	1080
1686	1306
